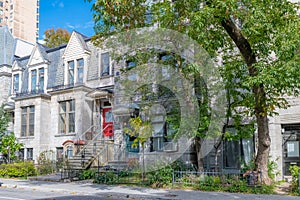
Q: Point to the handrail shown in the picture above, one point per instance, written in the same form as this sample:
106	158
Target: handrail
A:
80	136
91	141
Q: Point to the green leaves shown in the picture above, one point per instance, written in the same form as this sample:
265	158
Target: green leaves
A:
9	145
4	120
139	129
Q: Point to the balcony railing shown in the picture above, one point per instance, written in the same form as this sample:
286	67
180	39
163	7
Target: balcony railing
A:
26	93
64	87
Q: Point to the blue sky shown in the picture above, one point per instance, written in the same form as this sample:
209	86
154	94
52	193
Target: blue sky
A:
66	14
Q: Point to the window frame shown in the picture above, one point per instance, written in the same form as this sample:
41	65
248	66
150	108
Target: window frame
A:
65	125
105	70
27	113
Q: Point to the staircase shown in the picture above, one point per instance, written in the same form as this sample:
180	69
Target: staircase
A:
88	153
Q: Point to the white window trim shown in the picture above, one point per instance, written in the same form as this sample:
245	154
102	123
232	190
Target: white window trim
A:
66	69
38	77
100	64
13	84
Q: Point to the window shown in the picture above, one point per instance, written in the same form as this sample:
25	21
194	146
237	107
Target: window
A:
69	152
71	72
16	82
33	80
80	67
21	154
105	64
27	121
41	79
29	153
243	149
67	117
59	154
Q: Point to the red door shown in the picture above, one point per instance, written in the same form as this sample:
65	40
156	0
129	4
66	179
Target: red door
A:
107	124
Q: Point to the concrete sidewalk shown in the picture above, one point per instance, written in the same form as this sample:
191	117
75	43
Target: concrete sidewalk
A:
126	192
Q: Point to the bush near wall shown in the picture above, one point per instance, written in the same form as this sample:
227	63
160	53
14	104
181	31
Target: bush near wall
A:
295	170
18	169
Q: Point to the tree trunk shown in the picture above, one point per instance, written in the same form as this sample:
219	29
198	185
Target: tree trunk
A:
264	142
260	109
199	154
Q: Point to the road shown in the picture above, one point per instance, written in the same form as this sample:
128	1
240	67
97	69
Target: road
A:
42	190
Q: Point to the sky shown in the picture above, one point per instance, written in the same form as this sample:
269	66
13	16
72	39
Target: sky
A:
66	14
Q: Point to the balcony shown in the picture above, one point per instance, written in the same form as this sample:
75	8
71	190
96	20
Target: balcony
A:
27	93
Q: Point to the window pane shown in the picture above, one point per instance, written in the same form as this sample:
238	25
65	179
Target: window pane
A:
80	65
108	116
80	75
72	105
33	80
63	107
247	149
41	79
232	148
293	149
29	154
105	67
71	72
71	122
62	123
16	82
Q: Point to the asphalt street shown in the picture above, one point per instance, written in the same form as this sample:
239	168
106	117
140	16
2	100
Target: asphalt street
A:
13	189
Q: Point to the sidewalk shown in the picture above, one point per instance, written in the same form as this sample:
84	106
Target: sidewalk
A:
126	192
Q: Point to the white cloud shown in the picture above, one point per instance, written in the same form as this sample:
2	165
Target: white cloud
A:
58	3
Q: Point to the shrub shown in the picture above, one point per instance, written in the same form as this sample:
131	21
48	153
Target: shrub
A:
106	177
295	170
45	164
161	177
87	174
18	169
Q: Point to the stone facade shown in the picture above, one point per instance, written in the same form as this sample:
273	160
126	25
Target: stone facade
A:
59	96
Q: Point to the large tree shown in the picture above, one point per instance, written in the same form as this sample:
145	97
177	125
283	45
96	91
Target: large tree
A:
54	38
258	41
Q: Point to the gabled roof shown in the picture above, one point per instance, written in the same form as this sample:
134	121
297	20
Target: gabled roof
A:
76	41
38	55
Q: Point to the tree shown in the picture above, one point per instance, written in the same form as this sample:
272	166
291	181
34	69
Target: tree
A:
54	38
9	146
142	131
4	120
257	40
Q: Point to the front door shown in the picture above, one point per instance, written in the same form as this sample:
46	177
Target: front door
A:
107	122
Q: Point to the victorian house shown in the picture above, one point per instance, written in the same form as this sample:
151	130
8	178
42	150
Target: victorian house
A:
61	101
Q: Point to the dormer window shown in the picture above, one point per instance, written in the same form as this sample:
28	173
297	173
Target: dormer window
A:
71	72
105	64
16	84
37	80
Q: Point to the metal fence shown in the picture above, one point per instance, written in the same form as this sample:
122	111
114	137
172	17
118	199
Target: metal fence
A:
252	178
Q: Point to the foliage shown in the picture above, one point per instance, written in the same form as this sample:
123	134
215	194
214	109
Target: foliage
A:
139	129
46	165
161	177
4	119
273	168
106	177
295	170
87	174
54	38
257	40
9	145
18	169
